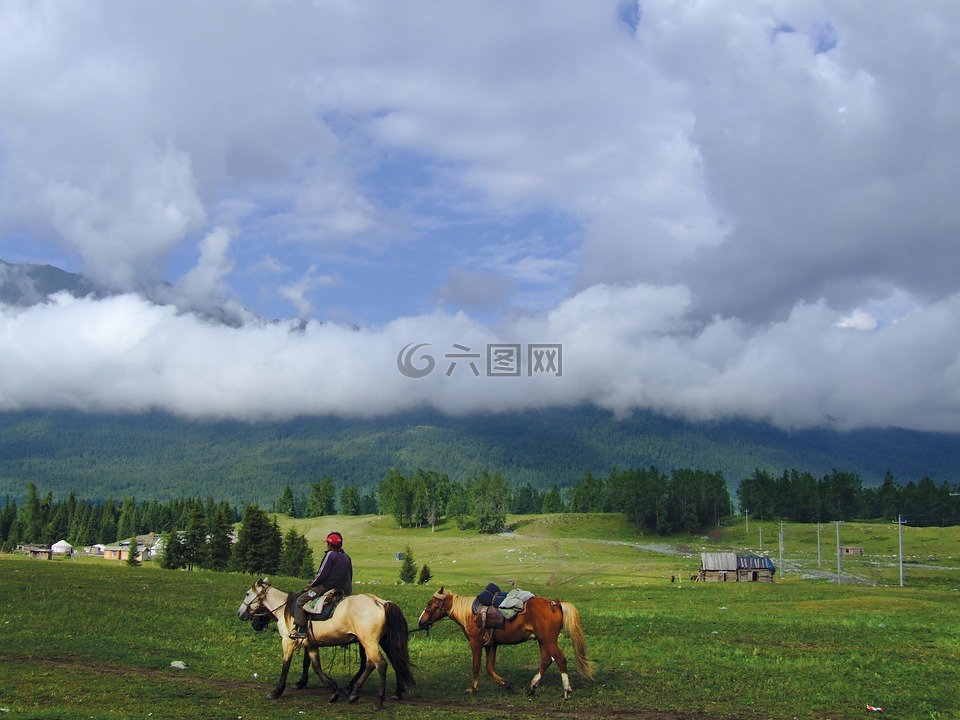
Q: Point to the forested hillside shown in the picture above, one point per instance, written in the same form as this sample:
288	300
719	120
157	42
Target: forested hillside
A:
162	457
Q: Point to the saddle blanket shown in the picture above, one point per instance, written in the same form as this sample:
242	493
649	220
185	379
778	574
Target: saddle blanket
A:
322	606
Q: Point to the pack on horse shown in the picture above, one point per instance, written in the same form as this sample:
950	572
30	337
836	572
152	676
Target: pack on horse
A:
540	619
371	621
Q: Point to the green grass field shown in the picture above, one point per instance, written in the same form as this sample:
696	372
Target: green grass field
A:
84	638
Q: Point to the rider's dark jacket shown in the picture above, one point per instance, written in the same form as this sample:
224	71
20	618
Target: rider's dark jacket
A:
336	571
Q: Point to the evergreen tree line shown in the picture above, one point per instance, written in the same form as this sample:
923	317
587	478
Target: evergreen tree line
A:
259	548
323	499
43	520
195	533
652	500
801	497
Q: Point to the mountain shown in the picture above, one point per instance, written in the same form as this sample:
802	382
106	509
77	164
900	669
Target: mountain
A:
163	457
24	284
160	456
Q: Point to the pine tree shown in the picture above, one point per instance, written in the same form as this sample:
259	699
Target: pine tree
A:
133	558
296	559
425	575
490	495
259	543
174	552
408	570
108	523
552	502
323	498
349	500
127	525
219	545
286	504
195	537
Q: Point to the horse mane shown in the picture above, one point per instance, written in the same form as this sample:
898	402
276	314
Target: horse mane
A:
461	607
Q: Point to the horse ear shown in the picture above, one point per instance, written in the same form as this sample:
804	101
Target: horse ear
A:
440	591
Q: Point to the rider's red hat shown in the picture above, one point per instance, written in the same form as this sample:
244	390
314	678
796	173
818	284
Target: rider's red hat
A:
335	539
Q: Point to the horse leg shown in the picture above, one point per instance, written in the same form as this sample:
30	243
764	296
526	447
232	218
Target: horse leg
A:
363	664
475	648
314	656
381	665
551	650
492	668
546	657
305	676
288	648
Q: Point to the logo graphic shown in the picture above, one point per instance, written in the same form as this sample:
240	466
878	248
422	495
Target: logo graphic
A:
503	360
405	361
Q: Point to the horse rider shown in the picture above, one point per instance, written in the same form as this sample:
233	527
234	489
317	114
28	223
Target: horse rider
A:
335	573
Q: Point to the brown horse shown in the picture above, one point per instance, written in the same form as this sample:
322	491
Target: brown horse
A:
366	619
541	619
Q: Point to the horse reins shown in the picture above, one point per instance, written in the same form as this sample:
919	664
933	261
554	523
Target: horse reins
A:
261	596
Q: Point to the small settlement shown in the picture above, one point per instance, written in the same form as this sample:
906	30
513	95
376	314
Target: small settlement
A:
731	567
147	547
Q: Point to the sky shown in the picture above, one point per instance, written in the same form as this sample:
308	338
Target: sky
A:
706	208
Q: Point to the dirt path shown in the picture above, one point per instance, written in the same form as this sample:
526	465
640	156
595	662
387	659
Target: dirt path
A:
521	707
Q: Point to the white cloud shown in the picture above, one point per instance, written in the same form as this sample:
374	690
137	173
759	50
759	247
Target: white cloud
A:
297	293
857	320
699	202
622	348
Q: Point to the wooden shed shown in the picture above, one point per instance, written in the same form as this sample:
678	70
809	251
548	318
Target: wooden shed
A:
718	567
850	550
730	567
755	568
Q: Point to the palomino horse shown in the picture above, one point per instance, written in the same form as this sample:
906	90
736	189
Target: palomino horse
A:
366	619
541	619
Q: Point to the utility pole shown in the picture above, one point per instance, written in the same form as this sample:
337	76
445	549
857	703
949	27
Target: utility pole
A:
746	515
900	533
781	548
819	560
838	552
761	539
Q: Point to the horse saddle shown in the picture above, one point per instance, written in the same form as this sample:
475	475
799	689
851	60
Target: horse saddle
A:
322	606
488	616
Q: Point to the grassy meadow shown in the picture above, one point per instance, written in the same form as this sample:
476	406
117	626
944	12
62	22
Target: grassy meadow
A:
83	638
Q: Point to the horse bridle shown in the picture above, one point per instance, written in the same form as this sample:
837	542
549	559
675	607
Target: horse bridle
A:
443	607
261	597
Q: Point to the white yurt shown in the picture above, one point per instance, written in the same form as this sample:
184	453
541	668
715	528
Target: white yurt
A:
62	548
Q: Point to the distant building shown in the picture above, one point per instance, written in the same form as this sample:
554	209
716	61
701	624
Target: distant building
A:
850	550
730	567
62	548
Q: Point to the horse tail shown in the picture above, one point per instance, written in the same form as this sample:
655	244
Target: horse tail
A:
395	645
571	624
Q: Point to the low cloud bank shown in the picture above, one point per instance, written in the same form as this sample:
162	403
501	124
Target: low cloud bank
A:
619	348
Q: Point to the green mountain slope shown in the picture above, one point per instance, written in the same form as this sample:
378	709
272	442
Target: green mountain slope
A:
163	457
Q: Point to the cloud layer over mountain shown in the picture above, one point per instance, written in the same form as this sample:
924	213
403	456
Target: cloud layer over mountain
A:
715	210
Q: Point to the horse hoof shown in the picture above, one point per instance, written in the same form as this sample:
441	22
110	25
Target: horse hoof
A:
273	695
353	698
333	698
378	705
531	690
299	685
508	687
396	696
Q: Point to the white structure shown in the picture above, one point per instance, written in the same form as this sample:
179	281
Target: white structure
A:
62	548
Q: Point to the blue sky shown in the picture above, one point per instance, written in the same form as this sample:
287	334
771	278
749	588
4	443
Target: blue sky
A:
720	210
